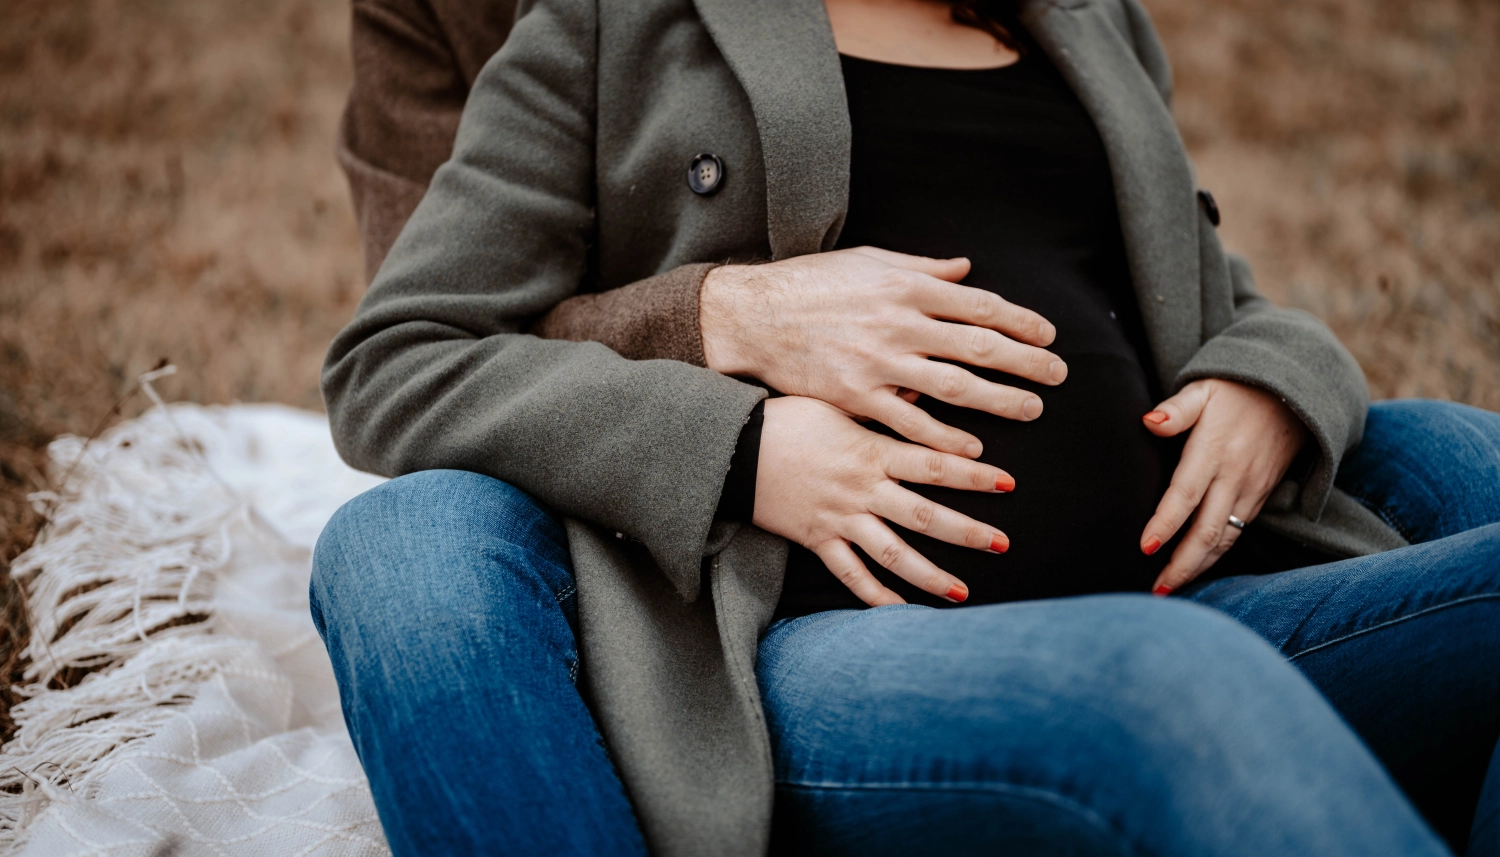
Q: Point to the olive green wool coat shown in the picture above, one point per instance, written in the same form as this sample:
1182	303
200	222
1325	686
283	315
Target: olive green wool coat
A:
568	177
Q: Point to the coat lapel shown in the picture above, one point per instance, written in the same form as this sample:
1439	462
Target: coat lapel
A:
783	54
1154	188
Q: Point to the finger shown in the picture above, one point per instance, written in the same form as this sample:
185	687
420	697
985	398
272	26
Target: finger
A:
1245	511
910	463
888	549
921	515
958	386
947	270
1189	482
1181	412
1210	532
918	426
844	564
985	309
980	346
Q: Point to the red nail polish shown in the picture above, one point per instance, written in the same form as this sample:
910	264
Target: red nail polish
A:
999	544
1162	590
1151	546
1004	482
958	593
1155	418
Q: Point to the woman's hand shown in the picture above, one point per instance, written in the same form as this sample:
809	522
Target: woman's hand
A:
824	481
854	328
1243	440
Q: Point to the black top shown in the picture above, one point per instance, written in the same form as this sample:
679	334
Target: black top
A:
1005	167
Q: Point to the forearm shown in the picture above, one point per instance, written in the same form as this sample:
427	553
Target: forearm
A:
651	319
641	447
435	370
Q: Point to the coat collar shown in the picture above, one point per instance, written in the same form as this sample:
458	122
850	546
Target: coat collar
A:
783	53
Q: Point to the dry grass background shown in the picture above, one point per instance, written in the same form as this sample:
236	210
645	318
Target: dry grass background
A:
167	189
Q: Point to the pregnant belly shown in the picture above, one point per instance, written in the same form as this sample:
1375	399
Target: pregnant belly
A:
1088	478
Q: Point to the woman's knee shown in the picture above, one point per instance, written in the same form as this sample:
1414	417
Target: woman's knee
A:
1146	711
1181	701
1164	666
432	541
1431	469
1154	693
1433	432
1111	671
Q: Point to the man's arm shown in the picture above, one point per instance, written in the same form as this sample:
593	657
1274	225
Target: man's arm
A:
415	62
435	371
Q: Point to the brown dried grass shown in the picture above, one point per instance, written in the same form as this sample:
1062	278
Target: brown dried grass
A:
167	188
1351	146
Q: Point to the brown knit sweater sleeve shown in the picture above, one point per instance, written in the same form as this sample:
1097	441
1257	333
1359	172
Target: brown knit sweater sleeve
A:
650	319
414	62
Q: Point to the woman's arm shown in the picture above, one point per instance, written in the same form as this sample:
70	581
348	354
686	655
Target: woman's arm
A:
1265	380
1288	353
434	370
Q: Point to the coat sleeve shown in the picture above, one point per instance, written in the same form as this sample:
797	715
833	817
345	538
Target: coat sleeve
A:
414	64
1294	355
1288	352
436	371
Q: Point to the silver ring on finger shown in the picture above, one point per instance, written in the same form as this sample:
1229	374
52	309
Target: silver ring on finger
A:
1236	522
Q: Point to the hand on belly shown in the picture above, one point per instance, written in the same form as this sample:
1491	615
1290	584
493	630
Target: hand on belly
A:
827	483
854	327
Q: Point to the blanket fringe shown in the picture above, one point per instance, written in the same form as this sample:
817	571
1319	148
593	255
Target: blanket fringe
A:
120	578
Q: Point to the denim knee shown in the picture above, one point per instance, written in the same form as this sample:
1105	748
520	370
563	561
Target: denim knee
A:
1175	666
407	546
1430	469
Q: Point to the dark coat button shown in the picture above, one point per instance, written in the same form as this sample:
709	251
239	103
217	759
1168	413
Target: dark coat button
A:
1210	207
706	173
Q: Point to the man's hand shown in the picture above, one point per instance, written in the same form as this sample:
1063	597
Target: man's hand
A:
855	328
825	482
1243	440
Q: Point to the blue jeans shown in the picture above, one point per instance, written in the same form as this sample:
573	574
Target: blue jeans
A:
1381	636
1103	725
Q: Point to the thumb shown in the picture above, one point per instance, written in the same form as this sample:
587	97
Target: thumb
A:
950	270
1181	412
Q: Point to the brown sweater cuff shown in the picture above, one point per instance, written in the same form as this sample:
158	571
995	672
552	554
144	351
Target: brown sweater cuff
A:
651	319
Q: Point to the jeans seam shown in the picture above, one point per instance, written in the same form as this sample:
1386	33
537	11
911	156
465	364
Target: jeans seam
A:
1468	599
1032	793
566	593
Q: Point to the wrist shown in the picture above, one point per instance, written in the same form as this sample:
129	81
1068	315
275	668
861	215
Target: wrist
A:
718	298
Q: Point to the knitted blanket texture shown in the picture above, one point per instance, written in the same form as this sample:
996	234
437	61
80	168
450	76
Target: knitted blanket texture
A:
177	699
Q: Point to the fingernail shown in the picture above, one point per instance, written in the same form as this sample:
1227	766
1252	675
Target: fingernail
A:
1058	371
1162	590
1048	332
1031	409
1004	482
1156	418
1151	546
999	544
972	450
958	593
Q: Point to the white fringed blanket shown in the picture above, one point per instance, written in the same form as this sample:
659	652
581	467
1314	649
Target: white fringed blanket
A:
175	566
